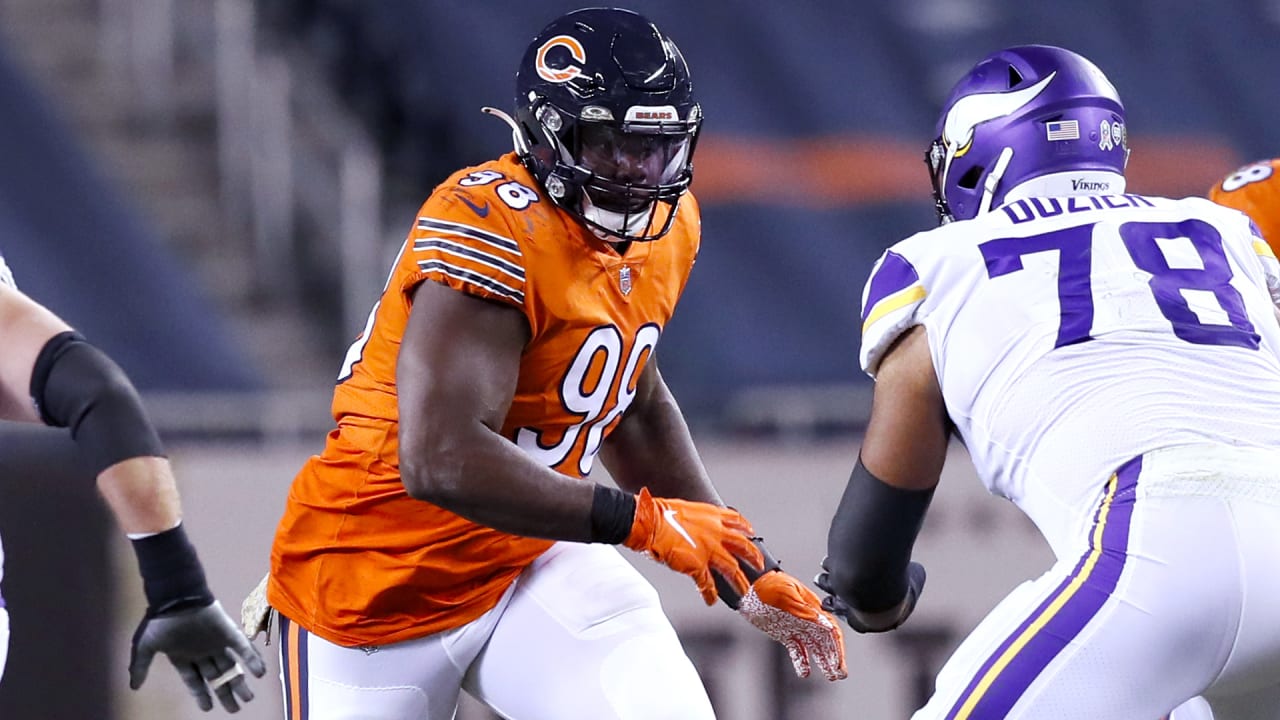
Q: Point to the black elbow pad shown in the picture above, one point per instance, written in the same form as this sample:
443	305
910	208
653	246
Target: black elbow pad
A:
75	385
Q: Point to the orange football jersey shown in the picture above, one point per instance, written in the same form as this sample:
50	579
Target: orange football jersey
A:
355	559
1254	190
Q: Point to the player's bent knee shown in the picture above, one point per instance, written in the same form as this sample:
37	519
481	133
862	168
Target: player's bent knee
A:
650	678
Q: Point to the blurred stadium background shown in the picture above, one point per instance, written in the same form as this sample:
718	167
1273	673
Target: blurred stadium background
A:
213	189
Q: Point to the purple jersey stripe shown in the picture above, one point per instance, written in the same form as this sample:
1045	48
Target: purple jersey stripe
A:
1011	669
894	274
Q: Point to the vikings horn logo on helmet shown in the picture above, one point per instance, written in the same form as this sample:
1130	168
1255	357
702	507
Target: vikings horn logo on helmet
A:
973	110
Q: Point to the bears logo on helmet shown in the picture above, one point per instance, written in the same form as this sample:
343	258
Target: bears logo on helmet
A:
564	74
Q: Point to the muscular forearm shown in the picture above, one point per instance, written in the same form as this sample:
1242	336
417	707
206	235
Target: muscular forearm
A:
142	494
488	480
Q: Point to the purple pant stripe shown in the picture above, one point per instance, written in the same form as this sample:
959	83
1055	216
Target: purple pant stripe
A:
1016	663
303	684
284	662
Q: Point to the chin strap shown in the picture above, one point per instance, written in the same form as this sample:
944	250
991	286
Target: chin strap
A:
517	137
993	179
620	225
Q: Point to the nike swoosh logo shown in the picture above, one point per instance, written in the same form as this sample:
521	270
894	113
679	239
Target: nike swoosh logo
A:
670	517
481	210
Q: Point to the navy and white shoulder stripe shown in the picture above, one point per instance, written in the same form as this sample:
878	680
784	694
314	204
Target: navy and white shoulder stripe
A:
472	257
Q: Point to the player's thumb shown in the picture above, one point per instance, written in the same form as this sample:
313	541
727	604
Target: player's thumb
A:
707	587
139	664
916	577
249	655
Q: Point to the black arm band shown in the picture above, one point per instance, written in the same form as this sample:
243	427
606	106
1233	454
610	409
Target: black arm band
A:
613	512
869	545
172	576
731	596
75	385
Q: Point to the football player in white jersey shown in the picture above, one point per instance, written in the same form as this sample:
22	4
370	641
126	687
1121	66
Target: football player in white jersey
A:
1110	361
50	374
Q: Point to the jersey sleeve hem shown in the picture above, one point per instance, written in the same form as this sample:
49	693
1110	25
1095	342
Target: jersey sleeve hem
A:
468	287
893	293
478	260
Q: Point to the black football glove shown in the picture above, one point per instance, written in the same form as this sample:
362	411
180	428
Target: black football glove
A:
873	622
203	644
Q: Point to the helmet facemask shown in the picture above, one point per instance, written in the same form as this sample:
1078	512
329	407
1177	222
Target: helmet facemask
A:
607	121
621	179
938	160
939	156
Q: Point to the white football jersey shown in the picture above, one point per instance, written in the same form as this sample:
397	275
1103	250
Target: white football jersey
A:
1072	334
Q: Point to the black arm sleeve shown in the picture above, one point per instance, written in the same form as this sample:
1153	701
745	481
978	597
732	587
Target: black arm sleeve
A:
75	385
869	545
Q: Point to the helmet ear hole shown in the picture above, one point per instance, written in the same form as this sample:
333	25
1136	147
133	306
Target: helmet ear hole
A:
1015	77
970	179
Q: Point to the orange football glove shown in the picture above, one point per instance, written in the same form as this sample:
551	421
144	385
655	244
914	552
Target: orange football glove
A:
787	611
695	538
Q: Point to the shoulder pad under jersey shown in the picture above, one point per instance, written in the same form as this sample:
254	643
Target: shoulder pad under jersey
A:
890	300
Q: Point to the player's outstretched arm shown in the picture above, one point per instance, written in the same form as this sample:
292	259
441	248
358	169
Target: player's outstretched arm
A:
73	384
456	376
868	569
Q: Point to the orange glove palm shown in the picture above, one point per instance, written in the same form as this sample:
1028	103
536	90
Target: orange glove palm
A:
695	538
787	611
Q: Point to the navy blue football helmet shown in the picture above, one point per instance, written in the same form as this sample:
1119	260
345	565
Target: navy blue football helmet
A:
606	120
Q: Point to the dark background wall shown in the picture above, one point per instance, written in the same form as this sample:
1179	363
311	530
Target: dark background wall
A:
817	116
59	583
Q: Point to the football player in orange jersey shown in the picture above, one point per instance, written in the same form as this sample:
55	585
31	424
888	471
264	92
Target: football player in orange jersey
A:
51	374
1255	191
448	536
